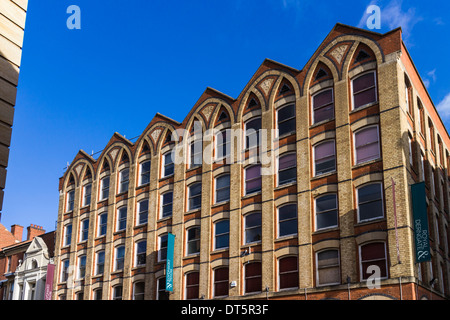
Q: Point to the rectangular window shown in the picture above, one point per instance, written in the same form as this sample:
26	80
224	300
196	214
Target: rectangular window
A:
223	144
370	202
287	220
252	130
286	120
102	224
162	294
121	218
328	271
141	253
144	177
288	273
253	277
64	270
364	90
143	212
87	194
68	235
222	234
367	144
223	188
166	204
81	267
253	181
70	200
169	166
139	290
104	188
120	256
124	180
84	230
323	106
324	158
193	241
162	251
100	266
192	285
195	196
221	278
373	254
117	292
287	169
253	232
326	212
196	153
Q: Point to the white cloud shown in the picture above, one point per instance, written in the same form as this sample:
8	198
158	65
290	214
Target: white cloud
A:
444	107
392	17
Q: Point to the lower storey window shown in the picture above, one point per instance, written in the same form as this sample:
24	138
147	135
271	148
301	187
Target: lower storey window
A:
192	285
373	256
288	273
221	282
253	277
328	271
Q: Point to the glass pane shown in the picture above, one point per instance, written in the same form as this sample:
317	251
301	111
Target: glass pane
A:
327	258
253	235
323	98
363	82
287	176
329	276
286	127
327	219
365	97
372	251
286	113
287	212
253	220
369	193
223	195
366	136
223	181
325	166
324	150
289	280
327	202
222	241
288	227
195	189
324	113
287	161
367	152
222	227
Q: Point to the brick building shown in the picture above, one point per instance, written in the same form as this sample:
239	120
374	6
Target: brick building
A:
313	222
24	259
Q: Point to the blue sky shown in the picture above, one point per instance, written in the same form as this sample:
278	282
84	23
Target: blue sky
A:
133	58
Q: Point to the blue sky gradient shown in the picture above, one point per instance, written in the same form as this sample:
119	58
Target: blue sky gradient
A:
134	58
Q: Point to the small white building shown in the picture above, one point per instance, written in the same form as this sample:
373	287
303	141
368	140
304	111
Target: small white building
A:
30	275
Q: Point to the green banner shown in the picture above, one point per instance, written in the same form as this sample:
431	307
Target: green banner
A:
421	231
169	262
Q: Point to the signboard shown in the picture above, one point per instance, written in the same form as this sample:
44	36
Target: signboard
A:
49	282
420	217
169	262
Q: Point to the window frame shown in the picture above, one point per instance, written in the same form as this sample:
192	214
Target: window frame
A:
98	264
216	235
361	273
84	230
355	154
293	180
285	120
216	189
215	281
70	202
287	220
166	165
186	286
315	160
104	189
374	71
119	261
124	182
138	253
68	229
324	106
246	181
140	212
258	140
279	274
326	211
144	173
120	219
87	195
101	225
246	229
252	277
162	249
161	209
192	240
191	197
358	216
318	284
224	144
81	271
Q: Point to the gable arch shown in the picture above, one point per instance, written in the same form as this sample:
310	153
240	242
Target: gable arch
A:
284	77
246	99
314	67
101	163
215	115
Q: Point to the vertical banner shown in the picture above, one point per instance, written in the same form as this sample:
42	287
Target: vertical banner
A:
169	262
420	217
49	281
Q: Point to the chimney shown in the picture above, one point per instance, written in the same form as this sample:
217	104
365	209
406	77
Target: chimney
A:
17	232
34	231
